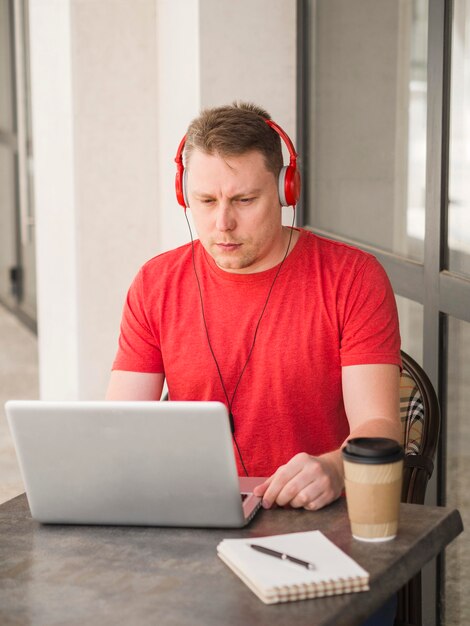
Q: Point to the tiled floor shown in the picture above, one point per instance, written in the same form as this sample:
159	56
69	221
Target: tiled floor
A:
18	380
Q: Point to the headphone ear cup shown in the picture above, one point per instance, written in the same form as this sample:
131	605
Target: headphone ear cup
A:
289	185
185	188
180	185
281	186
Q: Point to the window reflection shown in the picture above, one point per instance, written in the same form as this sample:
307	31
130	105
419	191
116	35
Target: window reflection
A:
417	130
6	101
368	122
459	178
410	315
457	606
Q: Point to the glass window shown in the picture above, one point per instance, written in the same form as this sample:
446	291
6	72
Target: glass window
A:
6	80
17	230
368	122
410	314
457	607
7	223
459	178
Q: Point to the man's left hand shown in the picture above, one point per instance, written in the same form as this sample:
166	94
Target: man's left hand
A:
304	481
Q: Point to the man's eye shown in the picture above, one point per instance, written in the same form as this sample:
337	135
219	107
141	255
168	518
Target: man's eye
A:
246	200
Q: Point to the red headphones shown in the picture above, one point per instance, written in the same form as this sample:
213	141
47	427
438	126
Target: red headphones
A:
289	176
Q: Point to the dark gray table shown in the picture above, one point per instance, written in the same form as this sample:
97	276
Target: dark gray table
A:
92	575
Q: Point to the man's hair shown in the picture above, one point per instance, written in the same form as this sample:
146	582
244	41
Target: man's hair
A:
233	130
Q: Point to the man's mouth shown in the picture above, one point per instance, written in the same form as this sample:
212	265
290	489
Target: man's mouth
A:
228	247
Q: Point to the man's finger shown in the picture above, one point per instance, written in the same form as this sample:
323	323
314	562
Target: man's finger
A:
279	480
261	488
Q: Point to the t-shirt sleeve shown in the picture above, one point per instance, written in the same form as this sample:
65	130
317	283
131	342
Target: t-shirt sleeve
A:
138	349
370	332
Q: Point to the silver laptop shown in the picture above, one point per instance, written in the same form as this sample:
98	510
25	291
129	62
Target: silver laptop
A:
139	463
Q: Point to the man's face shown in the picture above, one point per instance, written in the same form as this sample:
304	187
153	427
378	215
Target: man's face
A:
236	210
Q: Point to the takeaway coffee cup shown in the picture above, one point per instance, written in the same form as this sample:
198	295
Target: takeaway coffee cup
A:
373	470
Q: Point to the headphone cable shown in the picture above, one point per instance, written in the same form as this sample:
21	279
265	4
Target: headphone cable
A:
230	402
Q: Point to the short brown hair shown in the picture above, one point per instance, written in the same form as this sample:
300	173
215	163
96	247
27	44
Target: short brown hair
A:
233	130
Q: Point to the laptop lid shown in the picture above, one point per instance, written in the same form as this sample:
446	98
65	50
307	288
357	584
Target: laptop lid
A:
139	463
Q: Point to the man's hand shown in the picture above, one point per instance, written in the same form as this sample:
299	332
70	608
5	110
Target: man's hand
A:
371	399
304	481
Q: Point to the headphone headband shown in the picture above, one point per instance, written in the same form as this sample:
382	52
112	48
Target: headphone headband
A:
289	177
285	137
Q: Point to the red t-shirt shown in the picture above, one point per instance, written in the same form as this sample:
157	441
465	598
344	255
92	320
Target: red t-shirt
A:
331	306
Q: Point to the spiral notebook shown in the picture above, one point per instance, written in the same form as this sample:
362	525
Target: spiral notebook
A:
275	580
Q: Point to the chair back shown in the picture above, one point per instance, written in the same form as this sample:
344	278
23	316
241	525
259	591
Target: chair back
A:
420	418
421	421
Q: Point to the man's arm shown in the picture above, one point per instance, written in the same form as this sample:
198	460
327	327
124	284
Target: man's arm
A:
371	400
134	386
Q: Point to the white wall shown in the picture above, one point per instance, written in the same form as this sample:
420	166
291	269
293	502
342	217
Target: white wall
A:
179	86
248	52
213	53
114	85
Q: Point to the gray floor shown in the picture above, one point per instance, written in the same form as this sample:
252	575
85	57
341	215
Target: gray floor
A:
18	380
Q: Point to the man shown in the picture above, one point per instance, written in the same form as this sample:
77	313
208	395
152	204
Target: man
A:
296	334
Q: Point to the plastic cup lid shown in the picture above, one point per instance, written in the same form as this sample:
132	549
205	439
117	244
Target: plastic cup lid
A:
373	450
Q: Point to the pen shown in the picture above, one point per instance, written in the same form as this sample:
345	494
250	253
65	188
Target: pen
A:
283	556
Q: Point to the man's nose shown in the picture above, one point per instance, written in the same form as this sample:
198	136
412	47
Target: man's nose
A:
225	219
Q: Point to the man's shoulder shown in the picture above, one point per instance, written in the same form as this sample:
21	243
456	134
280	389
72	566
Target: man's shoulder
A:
164	271
168	261
335	253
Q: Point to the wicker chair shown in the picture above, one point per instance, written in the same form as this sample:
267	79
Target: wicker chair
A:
420	417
